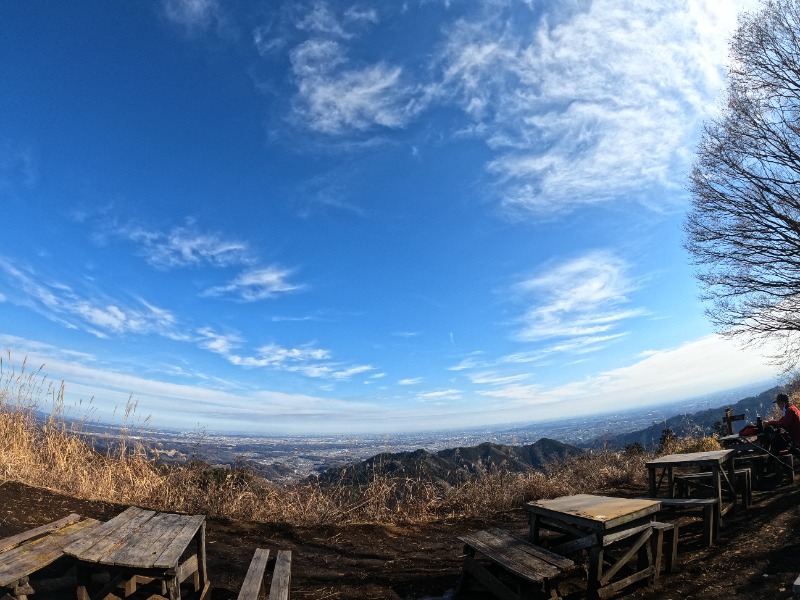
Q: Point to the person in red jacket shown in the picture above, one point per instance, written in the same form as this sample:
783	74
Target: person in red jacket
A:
790	421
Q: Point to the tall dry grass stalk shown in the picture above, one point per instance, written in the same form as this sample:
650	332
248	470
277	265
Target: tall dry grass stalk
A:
48	452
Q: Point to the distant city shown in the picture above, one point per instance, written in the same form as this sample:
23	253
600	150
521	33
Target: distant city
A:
292	458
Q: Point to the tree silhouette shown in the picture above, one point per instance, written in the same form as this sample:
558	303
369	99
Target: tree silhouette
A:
743	232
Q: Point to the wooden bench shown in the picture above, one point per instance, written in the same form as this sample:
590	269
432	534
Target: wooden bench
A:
253	584
24	554
517	569
743	482
710	513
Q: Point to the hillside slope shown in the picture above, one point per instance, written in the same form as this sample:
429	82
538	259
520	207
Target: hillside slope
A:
702	422
757	555
453	464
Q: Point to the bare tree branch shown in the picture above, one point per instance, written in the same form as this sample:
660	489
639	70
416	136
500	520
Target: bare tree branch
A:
743	232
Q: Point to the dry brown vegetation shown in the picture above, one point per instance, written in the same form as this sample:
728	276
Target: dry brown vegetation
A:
54	455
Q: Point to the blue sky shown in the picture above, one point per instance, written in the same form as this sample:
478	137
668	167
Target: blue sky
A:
317	217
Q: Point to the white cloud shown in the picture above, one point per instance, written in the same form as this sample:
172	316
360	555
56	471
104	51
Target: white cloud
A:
440	395
307	360
492	378
335	99
256	284
410	381
184	246
217	342
193	15
704	366
321	19
581	298
97	315
591	103
357	14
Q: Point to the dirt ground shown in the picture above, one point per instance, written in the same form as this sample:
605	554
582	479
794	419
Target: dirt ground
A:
757	556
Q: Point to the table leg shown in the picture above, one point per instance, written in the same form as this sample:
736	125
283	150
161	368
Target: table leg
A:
717	482
173	587
533	528
651	478
595	570
732	480
201	577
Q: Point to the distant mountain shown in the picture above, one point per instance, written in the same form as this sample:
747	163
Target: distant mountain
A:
702	421
452	465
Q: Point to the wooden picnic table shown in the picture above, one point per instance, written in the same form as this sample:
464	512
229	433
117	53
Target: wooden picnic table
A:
139	546
26	553
594	523
718	462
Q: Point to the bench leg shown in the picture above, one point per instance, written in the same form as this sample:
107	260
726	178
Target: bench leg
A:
709	531
672	554
657	544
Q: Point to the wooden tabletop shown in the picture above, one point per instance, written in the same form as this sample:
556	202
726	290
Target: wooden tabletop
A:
596	512
691	459
138	538
23	554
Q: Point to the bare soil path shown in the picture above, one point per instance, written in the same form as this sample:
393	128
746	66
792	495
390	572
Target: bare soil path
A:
758	554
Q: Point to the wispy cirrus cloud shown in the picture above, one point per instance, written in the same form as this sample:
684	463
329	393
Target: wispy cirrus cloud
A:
195	15
335	96
95	313
574	108
410	381
185	246
494	378
256	284
308	360
581	299
440	396
565	96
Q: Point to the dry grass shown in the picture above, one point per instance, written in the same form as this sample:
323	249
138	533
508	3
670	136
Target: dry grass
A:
53	455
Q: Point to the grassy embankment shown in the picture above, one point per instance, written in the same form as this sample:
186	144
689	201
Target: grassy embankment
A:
53	455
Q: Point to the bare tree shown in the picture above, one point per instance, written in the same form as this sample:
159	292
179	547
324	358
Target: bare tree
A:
743	231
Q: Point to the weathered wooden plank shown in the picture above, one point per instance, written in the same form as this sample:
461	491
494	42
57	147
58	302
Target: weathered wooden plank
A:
37	554
575	545
536	551
615	537
143	547
112	538
612	588
281	576
254	580
513	555
81	547
172	553
16	540
627	556
187	568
